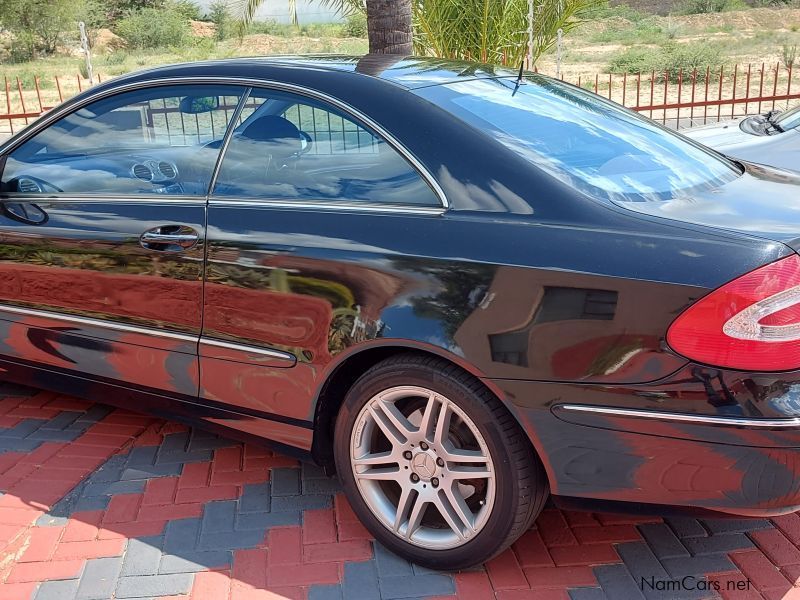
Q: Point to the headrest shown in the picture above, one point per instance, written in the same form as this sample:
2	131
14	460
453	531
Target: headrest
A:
275	130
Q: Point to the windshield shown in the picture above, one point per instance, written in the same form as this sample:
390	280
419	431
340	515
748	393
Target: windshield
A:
789	119
594	144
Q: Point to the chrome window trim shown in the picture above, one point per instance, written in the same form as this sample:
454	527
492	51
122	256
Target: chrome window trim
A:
101	323
750	423
199	201
226	140
69	107
332	206
287	356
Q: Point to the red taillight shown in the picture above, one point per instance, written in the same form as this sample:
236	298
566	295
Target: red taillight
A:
751	323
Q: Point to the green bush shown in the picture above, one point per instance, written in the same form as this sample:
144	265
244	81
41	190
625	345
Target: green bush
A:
270	27
117	9
672	30
219	15
789	54
355	25
639	59
23	47
317	30
691	56
602	10
628	33
41	27
83	69
186	8
696	7
28	80
672	57
320	30
200	49
116	58
153	28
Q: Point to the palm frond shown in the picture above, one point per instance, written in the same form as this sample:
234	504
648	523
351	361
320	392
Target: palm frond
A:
491	31
243	12
345	7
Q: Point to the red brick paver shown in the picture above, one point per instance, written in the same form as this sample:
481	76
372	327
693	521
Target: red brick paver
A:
123	505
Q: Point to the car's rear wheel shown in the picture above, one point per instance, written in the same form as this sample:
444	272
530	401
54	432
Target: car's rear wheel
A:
434	465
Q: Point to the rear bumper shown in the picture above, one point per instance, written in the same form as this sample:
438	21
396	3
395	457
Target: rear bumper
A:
722	460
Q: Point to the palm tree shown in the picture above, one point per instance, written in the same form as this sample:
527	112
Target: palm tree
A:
389	27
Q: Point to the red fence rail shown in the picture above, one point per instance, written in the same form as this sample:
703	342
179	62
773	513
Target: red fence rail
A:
27	101
698	97
679	100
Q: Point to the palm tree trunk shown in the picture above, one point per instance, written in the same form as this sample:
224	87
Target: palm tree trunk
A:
389	26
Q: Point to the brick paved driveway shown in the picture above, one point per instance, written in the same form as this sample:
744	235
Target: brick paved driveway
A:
97	503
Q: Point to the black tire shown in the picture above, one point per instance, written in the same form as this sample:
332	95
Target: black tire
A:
521	483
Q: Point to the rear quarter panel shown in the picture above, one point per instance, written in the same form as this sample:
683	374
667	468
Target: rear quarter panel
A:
513	298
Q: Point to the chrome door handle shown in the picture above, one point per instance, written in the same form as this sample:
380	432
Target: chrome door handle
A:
166	238
170	238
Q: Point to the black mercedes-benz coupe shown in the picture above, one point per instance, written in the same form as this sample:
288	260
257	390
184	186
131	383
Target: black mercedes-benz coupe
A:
459	289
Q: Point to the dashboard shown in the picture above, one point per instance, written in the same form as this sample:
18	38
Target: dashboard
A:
178	170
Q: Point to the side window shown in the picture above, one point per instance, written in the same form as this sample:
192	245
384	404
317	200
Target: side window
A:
294	148
160	140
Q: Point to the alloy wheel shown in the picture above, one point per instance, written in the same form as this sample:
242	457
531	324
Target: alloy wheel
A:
422	467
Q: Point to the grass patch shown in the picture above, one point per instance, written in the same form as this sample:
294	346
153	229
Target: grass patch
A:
645	31
698	7
720	29
620	11
314	30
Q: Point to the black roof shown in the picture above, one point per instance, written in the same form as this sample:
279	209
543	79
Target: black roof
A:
408	72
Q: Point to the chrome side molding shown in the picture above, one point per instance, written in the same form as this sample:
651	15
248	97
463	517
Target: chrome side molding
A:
247	350
746	422
100	323
234	351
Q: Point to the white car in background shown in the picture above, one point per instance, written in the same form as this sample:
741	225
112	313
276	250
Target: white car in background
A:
770	139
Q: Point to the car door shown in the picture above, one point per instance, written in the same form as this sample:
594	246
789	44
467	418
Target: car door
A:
287	285
102	236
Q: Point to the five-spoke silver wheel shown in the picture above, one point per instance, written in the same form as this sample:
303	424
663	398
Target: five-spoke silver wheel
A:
422	467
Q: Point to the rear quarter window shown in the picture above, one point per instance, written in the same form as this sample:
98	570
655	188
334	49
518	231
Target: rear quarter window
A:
595	145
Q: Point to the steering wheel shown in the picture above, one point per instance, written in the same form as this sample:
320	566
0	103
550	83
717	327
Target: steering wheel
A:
41	184
308	141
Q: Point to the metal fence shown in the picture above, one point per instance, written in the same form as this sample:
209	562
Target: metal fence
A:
25	101
679	100
687	99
